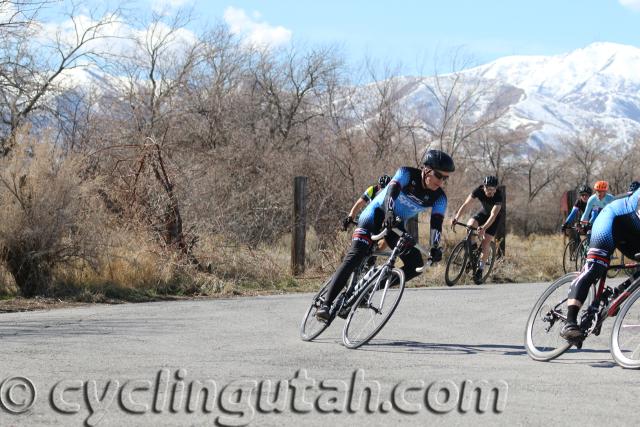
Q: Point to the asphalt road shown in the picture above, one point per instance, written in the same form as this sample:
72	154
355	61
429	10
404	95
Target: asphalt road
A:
143	364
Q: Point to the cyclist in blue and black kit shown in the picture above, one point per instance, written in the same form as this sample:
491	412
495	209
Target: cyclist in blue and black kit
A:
410	192
616	227
596	203
584	191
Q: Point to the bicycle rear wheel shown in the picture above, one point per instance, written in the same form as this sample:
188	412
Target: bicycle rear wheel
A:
311	327
373	308
625	336
549	314
456	264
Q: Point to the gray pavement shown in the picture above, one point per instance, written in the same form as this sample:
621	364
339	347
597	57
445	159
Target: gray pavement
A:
143	364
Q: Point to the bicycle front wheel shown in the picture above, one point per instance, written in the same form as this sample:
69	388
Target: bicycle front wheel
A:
625	336
373	308
569	257
456	264
491	259
311	327
581	256
542	335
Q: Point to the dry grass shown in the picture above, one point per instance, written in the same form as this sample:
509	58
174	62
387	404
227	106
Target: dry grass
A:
132	270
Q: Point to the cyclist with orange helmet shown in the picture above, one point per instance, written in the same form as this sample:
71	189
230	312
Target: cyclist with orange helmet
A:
596	203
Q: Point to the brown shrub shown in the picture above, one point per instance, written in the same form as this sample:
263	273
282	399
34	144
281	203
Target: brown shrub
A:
50	216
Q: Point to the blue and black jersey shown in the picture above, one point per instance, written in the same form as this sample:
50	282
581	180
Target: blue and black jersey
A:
408	199
412	199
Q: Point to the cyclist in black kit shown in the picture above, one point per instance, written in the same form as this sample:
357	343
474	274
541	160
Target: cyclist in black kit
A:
579	207
488	217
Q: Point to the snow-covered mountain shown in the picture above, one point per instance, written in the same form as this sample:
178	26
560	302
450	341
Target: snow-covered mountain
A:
596	87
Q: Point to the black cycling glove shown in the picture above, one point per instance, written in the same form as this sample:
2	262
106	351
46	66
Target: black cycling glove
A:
346	222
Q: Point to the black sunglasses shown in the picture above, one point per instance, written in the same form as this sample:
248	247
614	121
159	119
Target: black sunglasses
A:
439	175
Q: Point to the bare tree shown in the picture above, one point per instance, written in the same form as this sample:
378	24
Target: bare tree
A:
541	167
497	150
586	152
149	109
287	87
29	69
463	105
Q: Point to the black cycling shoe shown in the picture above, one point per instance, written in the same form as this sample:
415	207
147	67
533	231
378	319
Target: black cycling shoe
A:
322	313
477	276
570	332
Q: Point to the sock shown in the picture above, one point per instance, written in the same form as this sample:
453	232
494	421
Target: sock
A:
481	265
572	313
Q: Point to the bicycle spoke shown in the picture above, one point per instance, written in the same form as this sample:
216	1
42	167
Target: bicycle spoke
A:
373	309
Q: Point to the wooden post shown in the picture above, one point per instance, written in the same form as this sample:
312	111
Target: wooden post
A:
501	231
298	236
412	228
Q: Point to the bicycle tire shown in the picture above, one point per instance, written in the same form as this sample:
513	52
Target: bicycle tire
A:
458	250
581	256
316	327
625	350
366	308
569	257
488	266
541	313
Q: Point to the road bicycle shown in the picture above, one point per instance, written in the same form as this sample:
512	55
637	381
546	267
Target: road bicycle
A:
549	314
465	258
571	251
369	299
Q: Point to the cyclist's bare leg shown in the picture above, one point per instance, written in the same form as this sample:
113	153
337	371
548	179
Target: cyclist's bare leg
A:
473	223
486	247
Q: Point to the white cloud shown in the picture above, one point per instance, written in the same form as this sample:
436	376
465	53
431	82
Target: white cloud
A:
118	38
253	30
631	4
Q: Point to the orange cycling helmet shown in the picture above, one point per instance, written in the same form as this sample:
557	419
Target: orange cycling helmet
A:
601	186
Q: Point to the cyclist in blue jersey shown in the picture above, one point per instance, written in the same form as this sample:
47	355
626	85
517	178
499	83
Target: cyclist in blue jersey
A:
363	200
596	203
616	227
584	191
410	192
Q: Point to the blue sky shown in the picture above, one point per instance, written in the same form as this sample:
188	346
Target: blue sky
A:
412	32
408	31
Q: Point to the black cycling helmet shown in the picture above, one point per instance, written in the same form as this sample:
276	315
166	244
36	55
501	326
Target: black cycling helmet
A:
584	189
634	186
490	181
436	159
384	180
